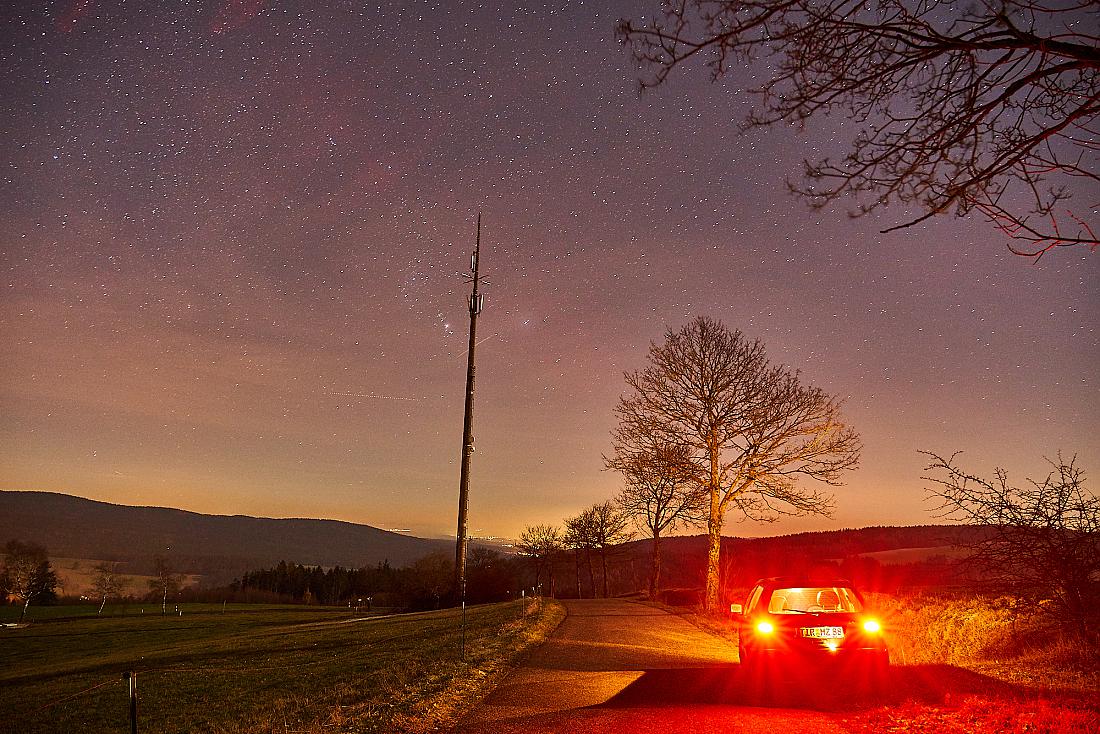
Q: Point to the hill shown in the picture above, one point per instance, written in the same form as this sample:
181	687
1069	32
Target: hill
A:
877	558
218	547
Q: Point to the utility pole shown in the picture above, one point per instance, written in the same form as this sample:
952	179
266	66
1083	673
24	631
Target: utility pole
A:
476	301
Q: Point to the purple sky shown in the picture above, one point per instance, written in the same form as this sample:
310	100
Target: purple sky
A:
231	233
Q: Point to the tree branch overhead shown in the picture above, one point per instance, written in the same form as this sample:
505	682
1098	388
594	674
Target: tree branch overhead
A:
989	109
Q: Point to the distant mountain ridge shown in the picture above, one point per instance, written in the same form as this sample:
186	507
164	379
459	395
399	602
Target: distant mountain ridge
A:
220	547
878	557
827	544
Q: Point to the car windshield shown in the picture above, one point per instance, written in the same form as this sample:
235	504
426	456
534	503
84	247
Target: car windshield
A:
813	600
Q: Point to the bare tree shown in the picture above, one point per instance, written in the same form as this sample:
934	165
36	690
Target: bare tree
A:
166	581
987	107
752	429
542	544
579	539
27	573
662	488
609	527
1041	541
106	582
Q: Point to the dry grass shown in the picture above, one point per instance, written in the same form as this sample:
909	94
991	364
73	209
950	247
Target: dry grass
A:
417	693
968	664
992	636
938	629
275	670
493	657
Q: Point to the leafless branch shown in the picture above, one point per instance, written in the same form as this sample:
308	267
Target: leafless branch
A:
988	109
1041	542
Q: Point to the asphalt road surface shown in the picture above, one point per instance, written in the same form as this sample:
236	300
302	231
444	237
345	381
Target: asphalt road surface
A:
620	666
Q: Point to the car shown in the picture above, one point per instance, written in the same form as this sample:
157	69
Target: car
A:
799	621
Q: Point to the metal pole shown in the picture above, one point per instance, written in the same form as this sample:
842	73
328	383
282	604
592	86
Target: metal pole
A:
467	437
131	678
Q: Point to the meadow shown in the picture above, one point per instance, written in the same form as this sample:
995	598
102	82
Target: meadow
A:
250	668
75	579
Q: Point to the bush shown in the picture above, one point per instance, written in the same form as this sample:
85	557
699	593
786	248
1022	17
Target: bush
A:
938	629
971	629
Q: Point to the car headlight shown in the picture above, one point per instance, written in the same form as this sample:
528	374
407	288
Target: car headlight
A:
872	625
765	628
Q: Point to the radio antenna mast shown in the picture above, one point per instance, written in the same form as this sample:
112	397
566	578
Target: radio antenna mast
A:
476	301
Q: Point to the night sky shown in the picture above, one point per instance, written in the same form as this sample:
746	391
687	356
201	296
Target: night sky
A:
232	233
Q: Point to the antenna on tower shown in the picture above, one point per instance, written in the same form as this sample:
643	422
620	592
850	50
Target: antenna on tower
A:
476	302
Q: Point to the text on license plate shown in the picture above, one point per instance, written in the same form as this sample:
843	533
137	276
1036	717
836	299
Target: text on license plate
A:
823	632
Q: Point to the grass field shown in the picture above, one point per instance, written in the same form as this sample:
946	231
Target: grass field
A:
257	669
915	555
69	612
75	575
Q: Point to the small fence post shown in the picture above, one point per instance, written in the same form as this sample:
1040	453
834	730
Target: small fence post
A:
462	647
131	678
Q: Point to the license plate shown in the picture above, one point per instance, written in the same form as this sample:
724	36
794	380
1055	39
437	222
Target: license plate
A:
823	633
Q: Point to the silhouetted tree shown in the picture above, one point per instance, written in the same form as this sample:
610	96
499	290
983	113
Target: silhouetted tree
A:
578	538
542	544
662	490
752	428
491	576
609	525
1040	542
429	580
983	106
27	574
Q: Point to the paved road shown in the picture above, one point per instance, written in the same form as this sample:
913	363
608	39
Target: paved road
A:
618	666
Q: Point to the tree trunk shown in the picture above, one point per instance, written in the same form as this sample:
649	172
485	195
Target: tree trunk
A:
26	603
603	567
714	550
591	572
164	602
714	526
577	563
102	604
655	578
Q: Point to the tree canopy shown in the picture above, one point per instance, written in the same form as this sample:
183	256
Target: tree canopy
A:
987	107
752	429
662	489
541	543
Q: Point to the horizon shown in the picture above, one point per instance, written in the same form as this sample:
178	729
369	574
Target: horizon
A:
680	533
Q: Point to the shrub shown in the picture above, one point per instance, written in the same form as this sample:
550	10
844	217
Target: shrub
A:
966	630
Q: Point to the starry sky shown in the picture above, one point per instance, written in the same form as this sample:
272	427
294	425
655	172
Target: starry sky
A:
232	232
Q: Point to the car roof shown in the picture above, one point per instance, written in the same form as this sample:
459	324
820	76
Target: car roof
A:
800	581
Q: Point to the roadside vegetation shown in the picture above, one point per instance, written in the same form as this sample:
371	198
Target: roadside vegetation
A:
996	636
963	663
253	668
1011	668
